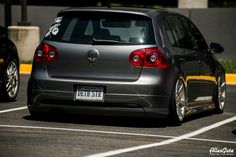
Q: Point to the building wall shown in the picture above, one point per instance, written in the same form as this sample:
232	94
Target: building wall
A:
216	24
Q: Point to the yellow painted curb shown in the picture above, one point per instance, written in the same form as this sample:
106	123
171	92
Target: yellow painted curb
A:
230	78
26	69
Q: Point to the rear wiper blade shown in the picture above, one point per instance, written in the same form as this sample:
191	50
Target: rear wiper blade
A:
107	42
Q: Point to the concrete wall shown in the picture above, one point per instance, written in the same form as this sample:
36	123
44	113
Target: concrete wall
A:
215	24
192	3
41	16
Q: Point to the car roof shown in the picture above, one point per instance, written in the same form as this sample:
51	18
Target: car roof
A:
130	10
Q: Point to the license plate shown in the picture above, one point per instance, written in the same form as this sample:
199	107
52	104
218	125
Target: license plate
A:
89	94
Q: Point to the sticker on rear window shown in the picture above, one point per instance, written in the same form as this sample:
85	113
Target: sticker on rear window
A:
54	29
58	19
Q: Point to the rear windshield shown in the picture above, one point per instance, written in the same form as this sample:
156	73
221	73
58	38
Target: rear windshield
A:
84	28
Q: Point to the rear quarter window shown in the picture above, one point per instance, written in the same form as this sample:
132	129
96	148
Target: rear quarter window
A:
82	28
183	33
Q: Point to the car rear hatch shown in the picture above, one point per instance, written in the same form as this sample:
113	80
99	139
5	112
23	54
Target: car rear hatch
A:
97	45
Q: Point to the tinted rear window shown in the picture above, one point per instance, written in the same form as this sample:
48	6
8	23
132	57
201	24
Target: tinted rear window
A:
82	28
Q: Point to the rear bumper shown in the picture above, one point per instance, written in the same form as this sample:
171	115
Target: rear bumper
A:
122	105
100	111
149	96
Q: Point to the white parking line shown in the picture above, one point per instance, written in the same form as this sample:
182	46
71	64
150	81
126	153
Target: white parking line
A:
171	139
211	140
84	130
166	142
13	109
112	133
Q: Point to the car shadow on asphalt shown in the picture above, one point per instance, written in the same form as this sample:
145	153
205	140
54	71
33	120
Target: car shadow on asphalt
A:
101	120
7	101
199	116
114	121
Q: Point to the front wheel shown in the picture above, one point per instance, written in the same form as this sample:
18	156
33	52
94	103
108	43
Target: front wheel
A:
178	103
220	94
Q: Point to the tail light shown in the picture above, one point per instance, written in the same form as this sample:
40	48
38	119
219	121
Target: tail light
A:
148	57
46	53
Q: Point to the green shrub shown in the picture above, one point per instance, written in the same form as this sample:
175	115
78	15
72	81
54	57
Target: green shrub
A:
26	62
229	65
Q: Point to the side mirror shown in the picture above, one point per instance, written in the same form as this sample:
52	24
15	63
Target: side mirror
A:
216	48
3	32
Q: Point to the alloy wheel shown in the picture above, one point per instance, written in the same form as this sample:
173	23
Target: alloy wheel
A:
12	79
180	99
221	92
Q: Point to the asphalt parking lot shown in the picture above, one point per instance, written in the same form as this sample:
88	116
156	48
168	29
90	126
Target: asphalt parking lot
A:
201	135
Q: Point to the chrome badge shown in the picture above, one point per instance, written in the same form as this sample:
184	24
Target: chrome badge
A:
93	55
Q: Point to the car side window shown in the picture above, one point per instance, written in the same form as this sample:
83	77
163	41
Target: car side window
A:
170	33
197	41
176	33
183	33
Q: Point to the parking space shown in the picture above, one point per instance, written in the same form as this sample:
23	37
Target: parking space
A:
20	135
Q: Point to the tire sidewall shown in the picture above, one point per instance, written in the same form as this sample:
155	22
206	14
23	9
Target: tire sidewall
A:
4	92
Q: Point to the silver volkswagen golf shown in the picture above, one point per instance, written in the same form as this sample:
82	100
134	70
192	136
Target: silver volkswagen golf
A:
125	62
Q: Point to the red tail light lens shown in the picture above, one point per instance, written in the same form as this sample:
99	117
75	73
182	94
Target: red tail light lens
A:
45	53
148	57
136	57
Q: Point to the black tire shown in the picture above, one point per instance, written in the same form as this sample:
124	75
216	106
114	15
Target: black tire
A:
11	81
178	103
220	94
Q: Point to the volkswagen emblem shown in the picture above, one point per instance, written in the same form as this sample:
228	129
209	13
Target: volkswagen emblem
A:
93	55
